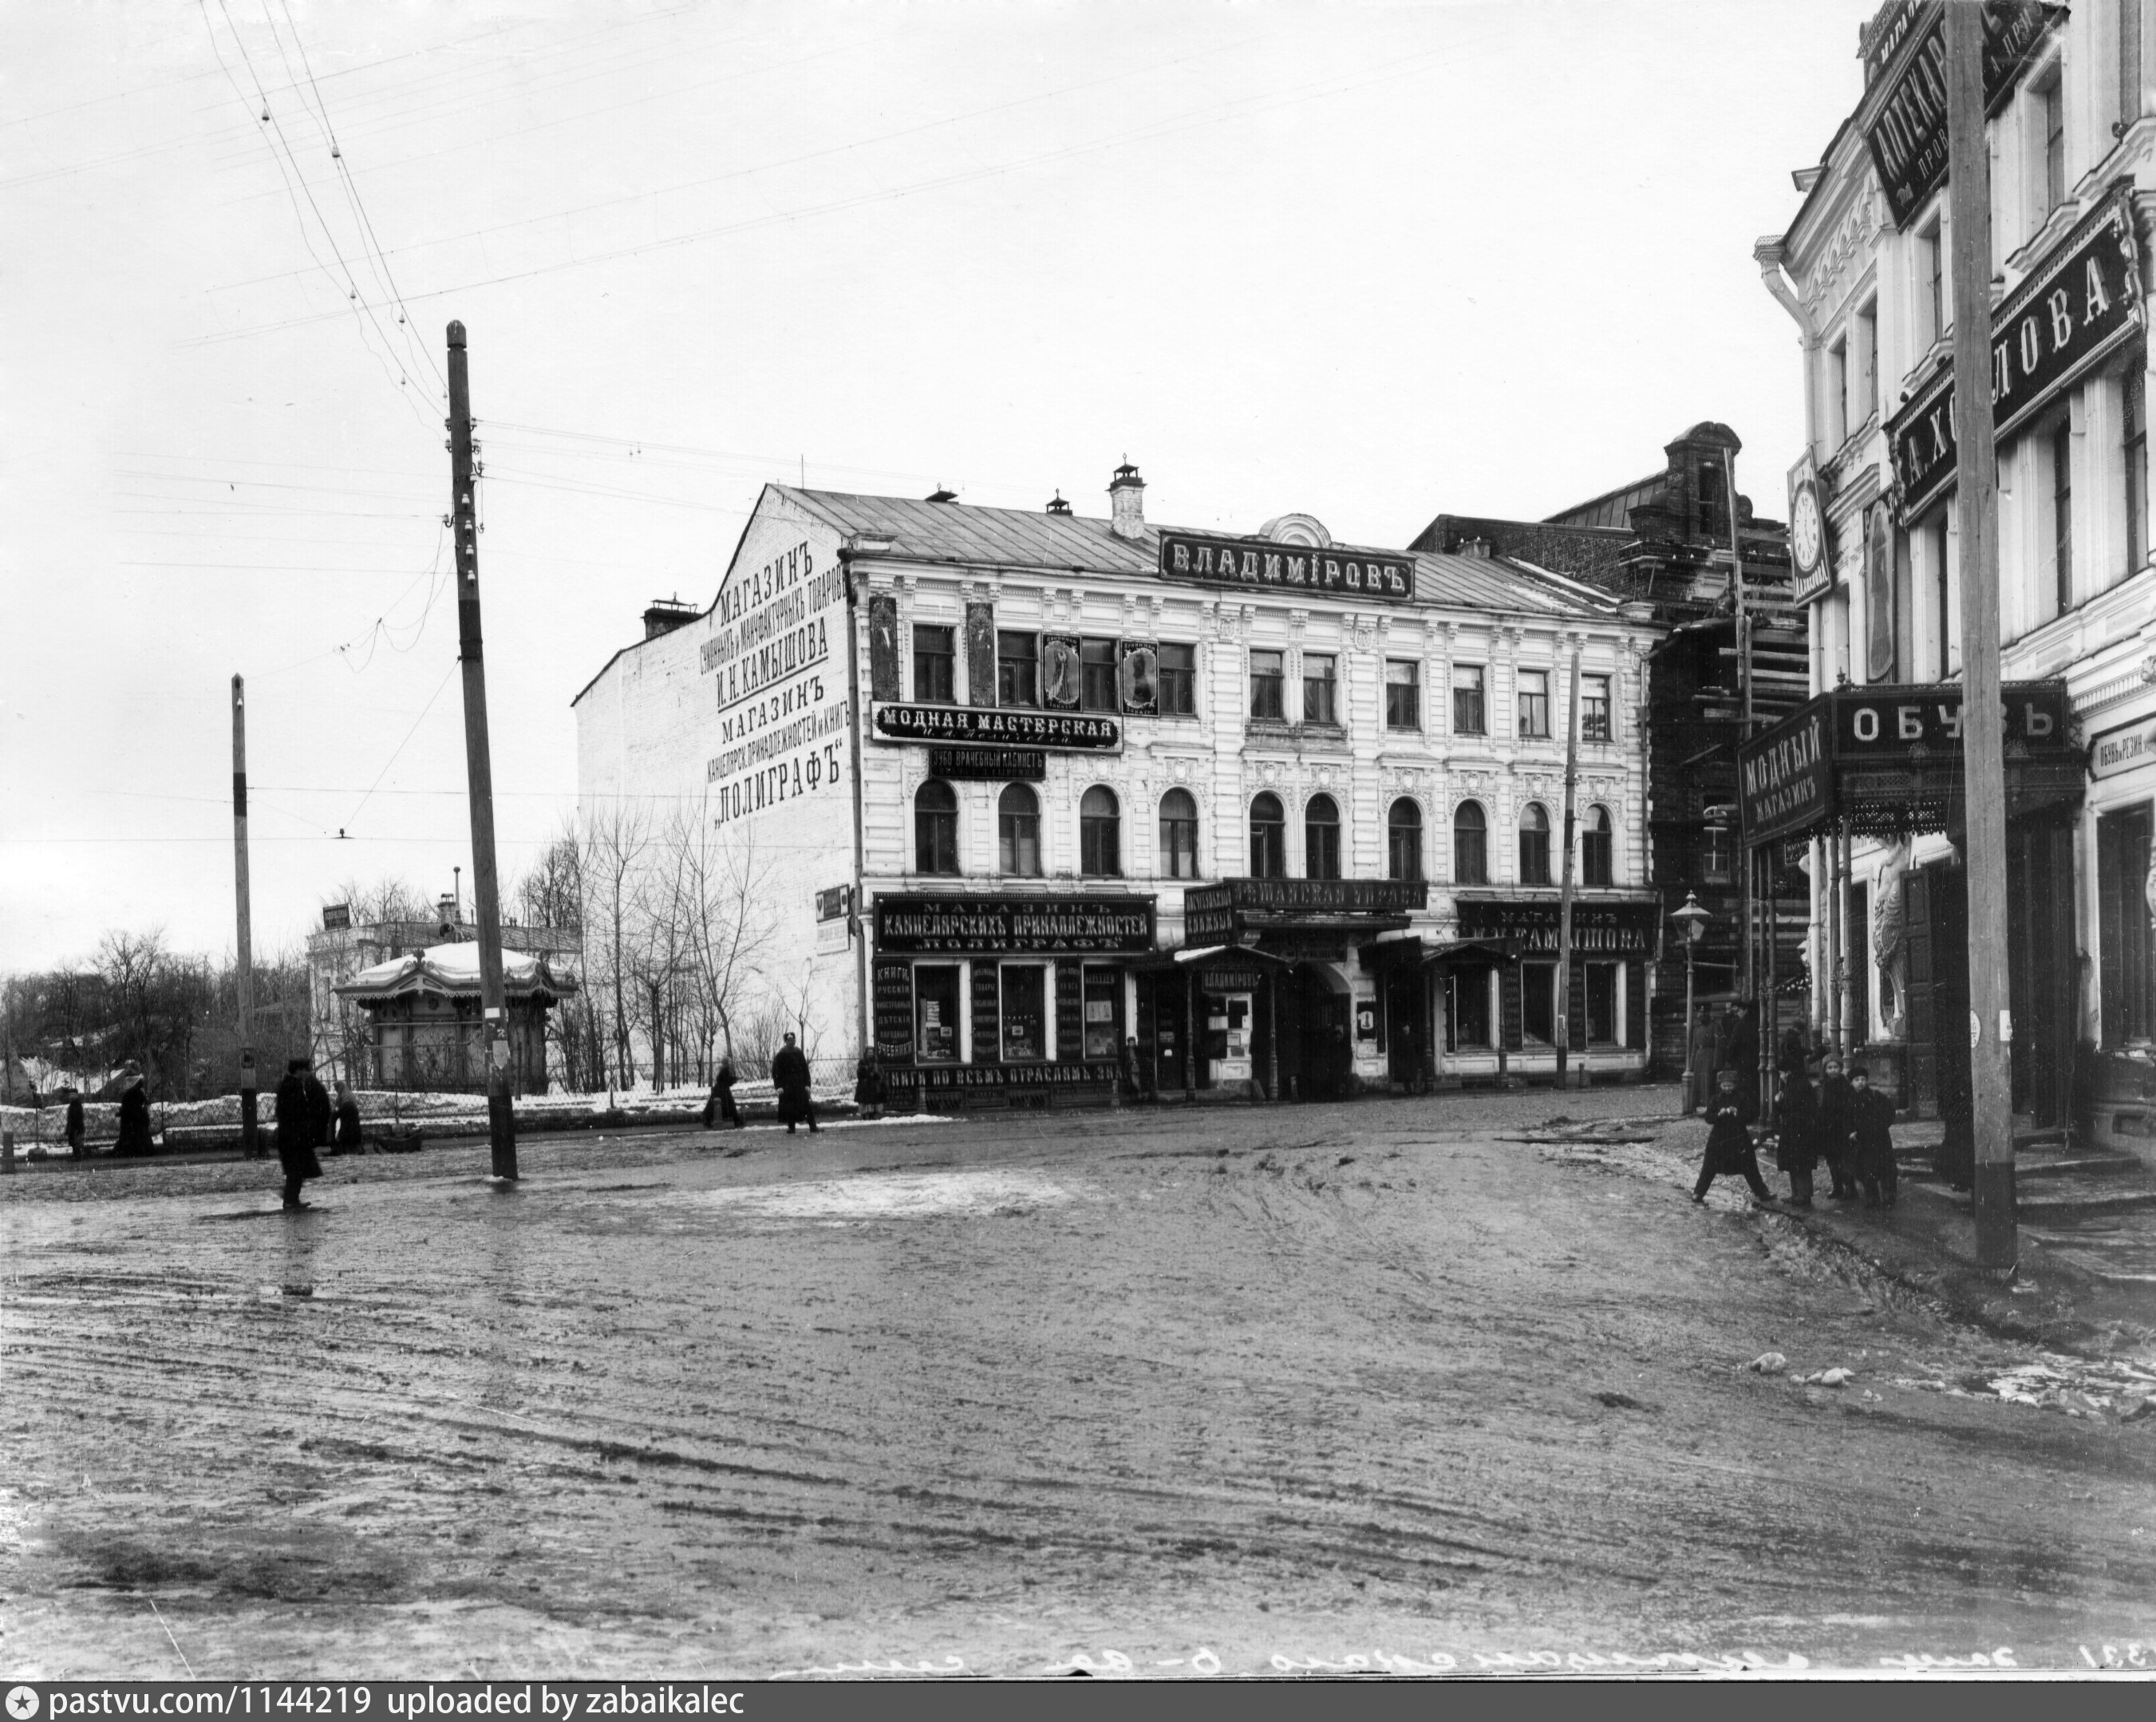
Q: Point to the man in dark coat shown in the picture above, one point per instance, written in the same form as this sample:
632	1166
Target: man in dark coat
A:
789	1075
299	1128
1741	1054
1729	1150
1871	1119
74	1124
1837	1101
1700	1054
719	1109
134	1121
1796	1147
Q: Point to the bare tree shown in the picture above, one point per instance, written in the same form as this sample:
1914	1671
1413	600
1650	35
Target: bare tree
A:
552	894
613	845
728	893
385	899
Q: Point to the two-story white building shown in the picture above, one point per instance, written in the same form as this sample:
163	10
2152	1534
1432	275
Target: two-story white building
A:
1050	797
1864	271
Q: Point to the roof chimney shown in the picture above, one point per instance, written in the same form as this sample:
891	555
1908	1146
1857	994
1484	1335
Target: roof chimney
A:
665	614
1056	504
940	495
1126	498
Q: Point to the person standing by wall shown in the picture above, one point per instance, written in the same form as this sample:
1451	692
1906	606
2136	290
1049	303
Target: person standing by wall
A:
1700	1058
1871	1119
1796	1145
1836	1103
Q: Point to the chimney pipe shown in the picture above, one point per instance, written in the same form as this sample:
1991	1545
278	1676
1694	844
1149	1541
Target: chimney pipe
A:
1127	501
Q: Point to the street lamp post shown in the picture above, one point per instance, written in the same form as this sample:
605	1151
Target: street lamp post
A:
1691	921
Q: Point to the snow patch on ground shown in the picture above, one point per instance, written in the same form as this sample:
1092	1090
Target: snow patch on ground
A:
893	1195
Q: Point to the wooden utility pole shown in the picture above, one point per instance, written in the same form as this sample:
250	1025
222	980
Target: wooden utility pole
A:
1984	765
251	1142
1564	1026
479	769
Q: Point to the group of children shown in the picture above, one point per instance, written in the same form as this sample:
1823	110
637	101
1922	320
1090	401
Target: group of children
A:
1841	1120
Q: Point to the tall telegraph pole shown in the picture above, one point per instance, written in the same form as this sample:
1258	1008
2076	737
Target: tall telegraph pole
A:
501	1124
250	1142
1983	771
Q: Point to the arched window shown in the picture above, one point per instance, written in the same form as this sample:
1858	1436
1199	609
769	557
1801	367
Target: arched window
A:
1404	840
1534	845
1268	839
1100	834
1598	850
935	828
1178	835
1320	839
1470	845
1018	832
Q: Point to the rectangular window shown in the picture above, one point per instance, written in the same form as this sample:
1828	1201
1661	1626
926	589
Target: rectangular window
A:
933	653
1017	669
2054	97
1601	1004
1538	1002
2130	61
1837	395
2133	437
2062	514
1713	518
1103	994
1178	679
1467	1010
1268	685
1024	1011
1864	364
1594	708
1096	675
1935	547
1403	694
1534	702
1179	837
1931	288
2123	927
1318	687
1467	716
935	1013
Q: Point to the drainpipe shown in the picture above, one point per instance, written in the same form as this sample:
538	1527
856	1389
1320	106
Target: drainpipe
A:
863	1042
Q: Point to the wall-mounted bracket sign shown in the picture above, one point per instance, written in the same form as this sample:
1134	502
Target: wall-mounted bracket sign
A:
989	765
1337	571
2059	324
997	726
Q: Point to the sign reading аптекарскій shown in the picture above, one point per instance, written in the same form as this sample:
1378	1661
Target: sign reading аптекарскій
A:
1336	571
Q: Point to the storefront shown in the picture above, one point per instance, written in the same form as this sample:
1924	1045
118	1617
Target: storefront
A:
2119	1092
1003	999
1499	983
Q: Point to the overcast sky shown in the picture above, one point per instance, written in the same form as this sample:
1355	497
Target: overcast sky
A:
1365	262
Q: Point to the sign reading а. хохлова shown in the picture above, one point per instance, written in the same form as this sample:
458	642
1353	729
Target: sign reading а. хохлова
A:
1337	572
997	726
2063	320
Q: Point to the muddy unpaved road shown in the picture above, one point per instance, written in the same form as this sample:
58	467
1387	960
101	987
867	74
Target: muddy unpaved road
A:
1247	1391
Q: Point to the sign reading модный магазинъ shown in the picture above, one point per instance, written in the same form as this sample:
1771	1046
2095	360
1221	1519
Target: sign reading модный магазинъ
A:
1336	572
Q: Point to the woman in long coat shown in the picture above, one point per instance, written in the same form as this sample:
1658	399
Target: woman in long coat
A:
1796	1147
134	1121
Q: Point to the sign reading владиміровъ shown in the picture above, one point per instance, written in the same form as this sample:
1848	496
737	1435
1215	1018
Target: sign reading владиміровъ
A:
1336	571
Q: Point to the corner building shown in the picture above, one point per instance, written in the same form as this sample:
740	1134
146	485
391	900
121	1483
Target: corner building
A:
1867	775
1273	816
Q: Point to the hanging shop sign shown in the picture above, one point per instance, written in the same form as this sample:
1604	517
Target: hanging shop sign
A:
1336	571
1785	780
834	919
1900	721
1599	929
1907	135
2122	750
2061	321
1065	732
915	922
989	765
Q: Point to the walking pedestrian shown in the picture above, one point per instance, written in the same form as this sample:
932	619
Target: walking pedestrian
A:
1872	1118
1133	1071
1700	1062
134	1140
719	1109
868	1087
1741	1051
1796	1145
1837	1100
1729	1149
74	1124
789	1075
297	1130
351	1136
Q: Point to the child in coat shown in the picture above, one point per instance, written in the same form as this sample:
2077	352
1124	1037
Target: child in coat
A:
1729	1149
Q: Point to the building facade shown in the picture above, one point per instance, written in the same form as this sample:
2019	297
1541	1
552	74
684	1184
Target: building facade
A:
1058	800
1872	785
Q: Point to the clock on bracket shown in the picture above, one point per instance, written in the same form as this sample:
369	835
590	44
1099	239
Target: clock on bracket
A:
1807	529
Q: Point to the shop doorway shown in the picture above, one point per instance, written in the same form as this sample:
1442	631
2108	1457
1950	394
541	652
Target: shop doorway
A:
2041	967
1406	1000
1317	1055
1935	902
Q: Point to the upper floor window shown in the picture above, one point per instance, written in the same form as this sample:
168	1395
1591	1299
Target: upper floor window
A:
1594	708
1716	863
1863	364
1178	679
2133	437
1178	835
1096	675
1403	694
1837	392
1931	287
1534	702
933	656
1713	519
1320	839
1100	835
1470	845
1404	840
2062	513
1268	838
1598	850
1018	832
2130	74
1017	669
1319	686
1268	683
2051	98
1467	714
935	828
1534	845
